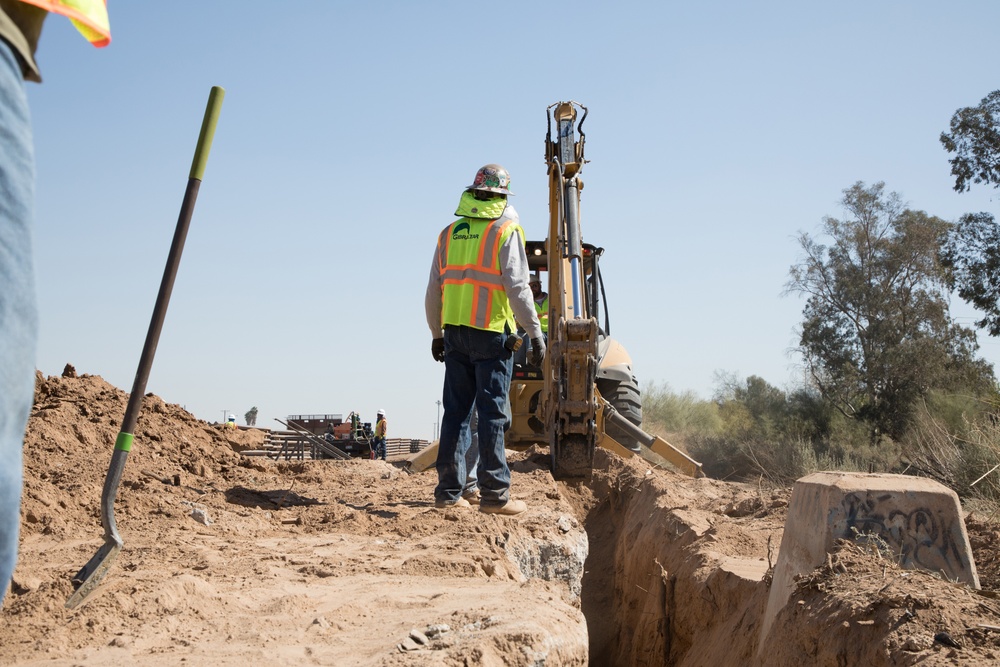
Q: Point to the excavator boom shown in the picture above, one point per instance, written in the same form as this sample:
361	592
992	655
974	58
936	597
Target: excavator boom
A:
576	416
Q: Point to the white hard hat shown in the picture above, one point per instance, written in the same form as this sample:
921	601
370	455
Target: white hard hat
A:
381	412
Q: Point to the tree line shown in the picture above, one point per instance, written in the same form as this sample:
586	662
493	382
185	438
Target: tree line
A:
891	381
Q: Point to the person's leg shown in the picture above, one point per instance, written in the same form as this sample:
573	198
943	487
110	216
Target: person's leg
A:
18	310
494	365
471	489
457	399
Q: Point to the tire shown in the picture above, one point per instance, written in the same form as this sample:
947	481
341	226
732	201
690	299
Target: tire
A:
626	399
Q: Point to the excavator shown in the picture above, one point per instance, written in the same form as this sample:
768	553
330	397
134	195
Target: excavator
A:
585	394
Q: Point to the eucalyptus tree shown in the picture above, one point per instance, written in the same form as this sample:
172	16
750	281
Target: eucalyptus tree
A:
877	334
972	249
975	142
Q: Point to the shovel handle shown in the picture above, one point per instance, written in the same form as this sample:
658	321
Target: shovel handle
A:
97	567
173	260
207	132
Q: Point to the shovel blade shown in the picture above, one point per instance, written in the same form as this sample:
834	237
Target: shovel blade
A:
87	579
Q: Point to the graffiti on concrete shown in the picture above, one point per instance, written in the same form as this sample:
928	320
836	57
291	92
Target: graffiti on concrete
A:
919	537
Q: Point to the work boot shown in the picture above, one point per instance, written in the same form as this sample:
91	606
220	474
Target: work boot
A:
511	508
444	504
472	496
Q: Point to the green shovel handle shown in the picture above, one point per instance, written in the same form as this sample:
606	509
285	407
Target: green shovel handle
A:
97	567
207	132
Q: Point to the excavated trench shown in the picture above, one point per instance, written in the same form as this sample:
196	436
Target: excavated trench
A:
674	572
678	573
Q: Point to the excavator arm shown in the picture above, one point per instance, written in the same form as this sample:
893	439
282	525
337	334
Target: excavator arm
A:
568	401
575	413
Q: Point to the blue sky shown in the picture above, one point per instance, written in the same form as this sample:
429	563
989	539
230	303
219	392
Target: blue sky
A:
717	132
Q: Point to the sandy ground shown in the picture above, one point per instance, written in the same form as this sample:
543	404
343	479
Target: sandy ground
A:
237	560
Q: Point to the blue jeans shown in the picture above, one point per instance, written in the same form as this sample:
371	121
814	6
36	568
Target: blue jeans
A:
18	310
471	455
477	371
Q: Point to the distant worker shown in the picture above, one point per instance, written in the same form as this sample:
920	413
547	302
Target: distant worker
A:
251	416
476	294
541	302
20	30
380	429
230	424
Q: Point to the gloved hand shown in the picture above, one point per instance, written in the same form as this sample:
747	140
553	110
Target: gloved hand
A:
437	349
537	354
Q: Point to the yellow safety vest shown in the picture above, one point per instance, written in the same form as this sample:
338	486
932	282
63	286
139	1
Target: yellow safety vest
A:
380	429
472	292
543	313
89	16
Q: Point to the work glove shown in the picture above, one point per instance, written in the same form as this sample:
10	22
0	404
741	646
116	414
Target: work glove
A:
537	354
437	349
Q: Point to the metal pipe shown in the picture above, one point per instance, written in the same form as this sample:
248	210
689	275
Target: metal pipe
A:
574	244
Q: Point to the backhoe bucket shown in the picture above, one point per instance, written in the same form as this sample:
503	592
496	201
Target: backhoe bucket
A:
648	444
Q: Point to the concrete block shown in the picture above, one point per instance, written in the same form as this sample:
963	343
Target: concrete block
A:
919	519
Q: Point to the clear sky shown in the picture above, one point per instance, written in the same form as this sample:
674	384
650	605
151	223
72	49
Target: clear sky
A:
717	132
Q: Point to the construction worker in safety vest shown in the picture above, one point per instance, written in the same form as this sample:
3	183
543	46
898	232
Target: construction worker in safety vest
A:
380	429
476	296
541	302
20	29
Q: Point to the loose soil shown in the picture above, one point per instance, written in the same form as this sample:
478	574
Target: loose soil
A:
240	560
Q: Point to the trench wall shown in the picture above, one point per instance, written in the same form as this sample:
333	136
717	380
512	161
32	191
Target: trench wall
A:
654	591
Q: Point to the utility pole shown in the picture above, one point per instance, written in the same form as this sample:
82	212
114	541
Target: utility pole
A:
437	424
225	413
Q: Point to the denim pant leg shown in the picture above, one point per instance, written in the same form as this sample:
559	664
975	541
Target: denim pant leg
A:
472	455
458	397
18	311
493	373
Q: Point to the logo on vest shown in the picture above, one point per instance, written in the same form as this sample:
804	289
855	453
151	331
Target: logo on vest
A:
461	232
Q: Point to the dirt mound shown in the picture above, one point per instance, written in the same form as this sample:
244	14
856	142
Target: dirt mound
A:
235	560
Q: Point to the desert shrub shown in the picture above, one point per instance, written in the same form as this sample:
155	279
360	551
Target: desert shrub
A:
782	436
957	413
777	460
964	457
751	429
785	460
684	413
720	457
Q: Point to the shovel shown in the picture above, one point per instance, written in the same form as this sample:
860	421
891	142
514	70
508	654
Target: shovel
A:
87	579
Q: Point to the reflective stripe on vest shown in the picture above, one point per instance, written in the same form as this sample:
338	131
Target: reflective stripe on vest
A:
89	16
472	291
